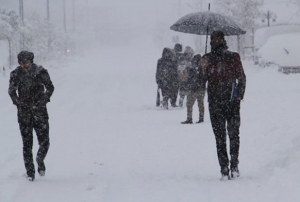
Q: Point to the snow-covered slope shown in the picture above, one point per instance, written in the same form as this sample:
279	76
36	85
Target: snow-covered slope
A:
110	143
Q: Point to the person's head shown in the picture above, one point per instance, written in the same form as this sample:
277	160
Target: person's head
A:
196	60
25	59
217	38
167	54
188	52
178	48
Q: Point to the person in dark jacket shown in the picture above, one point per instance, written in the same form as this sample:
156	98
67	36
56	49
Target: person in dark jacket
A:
166	76
177	51
30	88
196	91
226	83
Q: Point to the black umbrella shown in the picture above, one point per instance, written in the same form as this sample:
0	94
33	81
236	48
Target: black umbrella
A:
204	23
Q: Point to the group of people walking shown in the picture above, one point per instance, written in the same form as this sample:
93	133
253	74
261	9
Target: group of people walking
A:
178	73
222	74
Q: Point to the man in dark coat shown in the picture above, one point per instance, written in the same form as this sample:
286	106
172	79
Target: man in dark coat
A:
30	88
196	88
166	75
226	83
177	51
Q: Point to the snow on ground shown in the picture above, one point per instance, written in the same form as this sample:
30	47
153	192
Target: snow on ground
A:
110	143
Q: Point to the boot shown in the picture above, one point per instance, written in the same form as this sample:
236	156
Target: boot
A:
165	104
201	119
188	121
180	102
235	173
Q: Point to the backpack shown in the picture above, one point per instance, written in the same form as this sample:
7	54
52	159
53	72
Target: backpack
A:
183	72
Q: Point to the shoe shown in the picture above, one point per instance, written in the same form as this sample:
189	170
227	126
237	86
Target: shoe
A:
180	102
225	177
174	105
200	120
188	121
30	178
225	174
41	167
235	173
165	105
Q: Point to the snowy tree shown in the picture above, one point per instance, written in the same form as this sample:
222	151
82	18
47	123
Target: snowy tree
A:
9	27
42	38
244	12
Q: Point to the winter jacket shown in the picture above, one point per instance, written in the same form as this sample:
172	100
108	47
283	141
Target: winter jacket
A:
221	70
183	68
195	83
30	86
166	72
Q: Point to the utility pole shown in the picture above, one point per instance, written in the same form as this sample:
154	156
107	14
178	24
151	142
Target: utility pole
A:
73	15
21	13
48	11
269	16
65	20
21	10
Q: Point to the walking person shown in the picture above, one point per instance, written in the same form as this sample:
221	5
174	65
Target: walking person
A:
196	91
226	83
177	51
30	89
166	76
183	67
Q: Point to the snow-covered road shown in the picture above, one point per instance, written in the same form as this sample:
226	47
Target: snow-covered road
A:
110	143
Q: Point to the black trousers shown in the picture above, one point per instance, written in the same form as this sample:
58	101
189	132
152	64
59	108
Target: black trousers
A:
225	118
37	120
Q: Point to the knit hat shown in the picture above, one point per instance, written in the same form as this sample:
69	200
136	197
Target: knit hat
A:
25	56
217	34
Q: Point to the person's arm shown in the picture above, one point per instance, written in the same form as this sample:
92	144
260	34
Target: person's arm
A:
48	85
241	77
203	77
158	74
13	87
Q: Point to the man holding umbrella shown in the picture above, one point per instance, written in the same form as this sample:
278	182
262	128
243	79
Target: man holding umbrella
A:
223	72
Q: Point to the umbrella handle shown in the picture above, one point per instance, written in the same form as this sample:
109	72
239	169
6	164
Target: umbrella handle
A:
207	32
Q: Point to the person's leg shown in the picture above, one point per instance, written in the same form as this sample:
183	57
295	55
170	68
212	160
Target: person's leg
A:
233	128
181	96
41	127
200	100
174	96
26	129
165	94
218	123
190	102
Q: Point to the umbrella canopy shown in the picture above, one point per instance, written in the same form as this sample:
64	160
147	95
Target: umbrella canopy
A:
203	23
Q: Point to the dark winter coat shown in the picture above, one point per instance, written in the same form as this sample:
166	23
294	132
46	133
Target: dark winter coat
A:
195	82
30	90
166	72
221	70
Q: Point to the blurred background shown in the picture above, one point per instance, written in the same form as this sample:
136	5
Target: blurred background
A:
55	29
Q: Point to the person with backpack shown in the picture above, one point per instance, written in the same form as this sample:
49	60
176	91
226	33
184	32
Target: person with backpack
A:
223	72
184	65
196	91
166	76
30	89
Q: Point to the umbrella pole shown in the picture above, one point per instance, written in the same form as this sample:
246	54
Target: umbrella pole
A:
206	40
207	32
